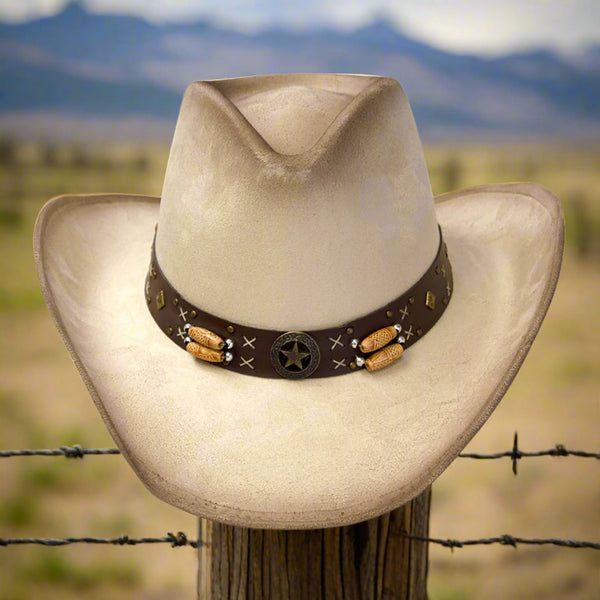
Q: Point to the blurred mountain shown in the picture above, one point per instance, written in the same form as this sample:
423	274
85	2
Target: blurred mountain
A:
588	58
80	63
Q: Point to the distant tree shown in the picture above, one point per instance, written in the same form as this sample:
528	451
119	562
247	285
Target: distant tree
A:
80	158
580	224
104	163
141	163
8	151
49	155
11	215
528	169
451	174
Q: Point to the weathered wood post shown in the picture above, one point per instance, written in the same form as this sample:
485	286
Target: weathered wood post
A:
366	561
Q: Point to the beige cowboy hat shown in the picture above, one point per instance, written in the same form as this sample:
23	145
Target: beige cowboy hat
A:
298	243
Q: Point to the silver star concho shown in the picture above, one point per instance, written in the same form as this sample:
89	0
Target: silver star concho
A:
295	355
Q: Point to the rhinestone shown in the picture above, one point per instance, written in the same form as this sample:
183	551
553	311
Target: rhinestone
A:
228	357
360	361
401	339
187	326
229	343
398	327
187	340
354	343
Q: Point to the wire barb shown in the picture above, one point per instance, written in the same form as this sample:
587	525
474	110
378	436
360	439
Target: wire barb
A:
516	453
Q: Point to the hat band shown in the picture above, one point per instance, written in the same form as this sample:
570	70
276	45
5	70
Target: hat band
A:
372	341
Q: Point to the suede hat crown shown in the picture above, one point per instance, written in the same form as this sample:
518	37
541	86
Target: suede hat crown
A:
297	211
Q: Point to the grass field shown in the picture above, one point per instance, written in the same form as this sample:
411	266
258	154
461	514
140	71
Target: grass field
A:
555	398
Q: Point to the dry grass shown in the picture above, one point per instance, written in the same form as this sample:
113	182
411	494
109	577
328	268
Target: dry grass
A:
554	399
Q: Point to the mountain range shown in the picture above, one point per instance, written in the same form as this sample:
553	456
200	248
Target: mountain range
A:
76	67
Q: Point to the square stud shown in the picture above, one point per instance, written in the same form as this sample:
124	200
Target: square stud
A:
160	300
430	300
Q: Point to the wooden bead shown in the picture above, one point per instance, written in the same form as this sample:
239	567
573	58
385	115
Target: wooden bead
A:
206	338
203	353
384	357
378	339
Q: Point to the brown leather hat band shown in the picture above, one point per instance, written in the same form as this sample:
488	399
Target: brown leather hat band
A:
368	341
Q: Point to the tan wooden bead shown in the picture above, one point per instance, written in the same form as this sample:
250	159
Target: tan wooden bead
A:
206	338
204	353
384	357
378	339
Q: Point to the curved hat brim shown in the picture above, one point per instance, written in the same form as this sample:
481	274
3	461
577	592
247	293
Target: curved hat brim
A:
273	453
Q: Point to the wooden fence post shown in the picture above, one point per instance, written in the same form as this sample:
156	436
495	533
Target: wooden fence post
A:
366	561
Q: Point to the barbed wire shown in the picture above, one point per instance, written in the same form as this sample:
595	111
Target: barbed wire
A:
75	451
176	540
180	539
505	540
515	453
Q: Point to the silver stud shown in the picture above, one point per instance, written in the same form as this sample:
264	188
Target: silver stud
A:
228	357
401	339
187	326
187	340
398	327
354	343
360	361
229	343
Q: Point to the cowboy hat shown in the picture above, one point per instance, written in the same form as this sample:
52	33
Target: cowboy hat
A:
298	243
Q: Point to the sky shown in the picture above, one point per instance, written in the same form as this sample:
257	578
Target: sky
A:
479	26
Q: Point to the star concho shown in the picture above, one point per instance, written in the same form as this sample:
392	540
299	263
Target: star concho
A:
295	355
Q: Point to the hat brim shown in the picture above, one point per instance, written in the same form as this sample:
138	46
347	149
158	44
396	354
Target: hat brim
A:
273	453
